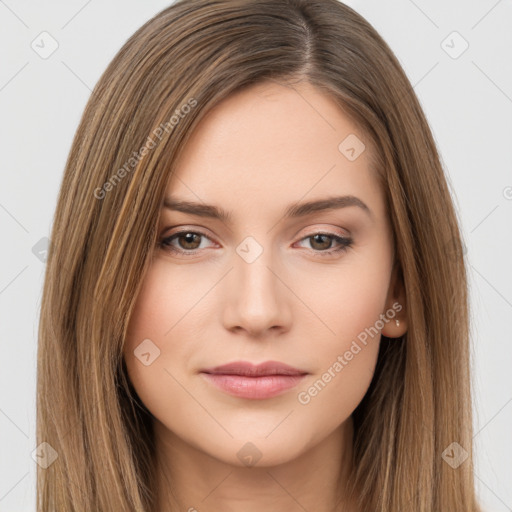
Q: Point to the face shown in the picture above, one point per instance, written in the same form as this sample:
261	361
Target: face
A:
308	288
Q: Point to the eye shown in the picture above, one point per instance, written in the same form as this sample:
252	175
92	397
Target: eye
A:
322	243
188	242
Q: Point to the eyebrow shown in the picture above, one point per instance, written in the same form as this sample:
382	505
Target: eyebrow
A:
294	210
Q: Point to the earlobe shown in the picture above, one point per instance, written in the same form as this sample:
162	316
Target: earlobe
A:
396	327
396	308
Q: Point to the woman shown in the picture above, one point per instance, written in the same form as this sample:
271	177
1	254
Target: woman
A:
252	299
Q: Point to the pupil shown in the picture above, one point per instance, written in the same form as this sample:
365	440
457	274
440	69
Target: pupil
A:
189	239
319	237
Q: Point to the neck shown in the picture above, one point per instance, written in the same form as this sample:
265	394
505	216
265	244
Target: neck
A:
191	480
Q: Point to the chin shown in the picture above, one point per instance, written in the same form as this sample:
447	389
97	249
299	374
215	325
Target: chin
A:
260	451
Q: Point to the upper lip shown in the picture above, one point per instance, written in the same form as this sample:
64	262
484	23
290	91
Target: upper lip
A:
248	369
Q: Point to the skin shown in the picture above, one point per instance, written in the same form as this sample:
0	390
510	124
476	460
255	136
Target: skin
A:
255	153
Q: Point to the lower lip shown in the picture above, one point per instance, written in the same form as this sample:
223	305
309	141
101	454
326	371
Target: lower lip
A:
256	388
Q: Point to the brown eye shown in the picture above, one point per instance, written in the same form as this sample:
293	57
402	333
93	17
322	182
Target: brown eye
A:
321	243
189	241
183	242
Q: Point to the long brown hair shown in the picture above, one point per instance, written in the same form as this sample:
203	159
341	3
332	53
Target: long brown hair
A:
159	86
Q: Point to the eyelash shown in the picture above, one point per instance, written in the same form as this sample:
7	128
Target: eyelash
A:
345	243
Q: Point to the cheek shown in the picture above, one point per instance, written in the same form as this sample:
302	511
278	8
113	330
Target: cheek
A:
164	305
343	363
349	302
165	323
150	356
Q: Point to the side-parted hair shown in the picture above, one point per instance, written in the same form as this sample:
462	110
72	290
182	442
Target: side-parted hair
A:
156	90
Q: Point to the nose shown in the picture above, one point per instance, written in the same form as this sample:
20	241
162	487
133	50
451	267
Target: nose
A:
258	297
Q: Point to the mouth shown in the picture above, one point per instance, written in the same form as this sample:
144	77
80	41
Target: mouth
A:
258	382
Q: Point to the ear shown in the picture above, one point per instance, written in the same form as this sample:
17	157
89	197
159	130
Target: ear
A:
396	307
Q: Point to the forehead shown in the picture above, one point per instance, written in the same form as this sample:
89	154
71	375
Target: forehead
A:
272	145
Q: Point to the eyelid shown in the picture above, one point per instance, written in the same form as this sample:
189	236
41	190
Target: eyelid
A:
342	243
185	230
200	231
325	229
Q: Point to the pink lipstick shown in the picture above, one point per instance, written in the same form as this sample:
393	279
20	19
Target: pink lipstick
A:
257	382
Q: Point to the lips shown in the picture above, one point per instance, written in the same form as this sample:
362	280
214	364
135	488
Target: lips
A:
251	370
246	380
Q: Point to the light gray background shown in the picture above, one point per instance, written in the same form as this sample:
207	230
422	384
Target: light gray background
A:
467	100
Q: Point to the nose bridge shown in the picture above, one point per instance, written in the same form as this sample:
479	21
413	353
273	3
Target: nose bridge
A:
257	301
